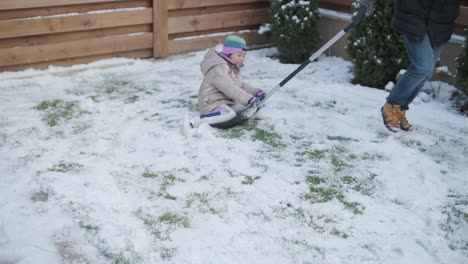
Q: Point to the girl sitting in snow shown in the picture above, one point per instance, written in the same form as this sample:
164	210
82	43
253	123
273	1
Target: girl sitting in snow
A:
223	93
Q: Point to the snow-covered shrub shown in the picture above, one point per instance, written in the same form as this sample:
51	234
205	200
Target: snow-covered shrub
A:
376	50
294	29
462	75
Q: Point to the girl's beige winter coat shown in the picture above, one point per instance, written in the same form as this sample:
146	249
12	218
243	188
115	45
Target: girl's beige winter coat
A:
222	84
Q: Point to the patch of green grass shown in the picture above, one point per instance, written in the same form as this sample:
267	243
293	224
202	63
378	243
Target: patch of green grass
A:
110	89
354	207
338	162
235	174
456	221
317	104
121	259
340	138
371	156
94	98
304	156
125	257
249	180
88	227
48	104
321	194
167	253
167	178
316	154
181	103
174	219
297	138
200	197
59	110
398	202
270	138
150	175
239	131
169	197
201	201
415	144
235	133
80	128
325	105
314	180
364	186
348	180
114	84
339	233
322	190
64	166
204	178
132	99
163	225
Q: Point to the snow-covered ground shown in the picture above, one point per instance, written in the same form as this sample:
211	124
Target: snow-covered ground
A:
94	169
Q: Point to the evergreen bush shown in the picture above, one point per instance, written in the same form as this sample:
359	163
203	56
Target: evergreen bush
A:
377	51
462	67
294	29
462	75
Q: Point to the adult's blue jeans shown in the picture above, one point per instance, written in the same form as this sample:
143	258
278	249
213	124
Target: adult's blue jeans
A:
423	58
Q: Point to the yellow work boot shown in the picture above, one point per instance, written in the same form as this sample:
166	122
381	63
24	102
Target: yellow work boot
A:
404	124
391	116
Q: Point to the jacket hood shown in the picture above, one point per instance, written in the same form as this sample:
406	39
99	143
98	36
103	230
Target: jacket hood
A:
210	60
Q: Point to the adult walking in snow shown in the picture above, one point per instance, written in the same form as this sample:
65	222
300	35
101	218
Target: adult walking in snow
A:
426	26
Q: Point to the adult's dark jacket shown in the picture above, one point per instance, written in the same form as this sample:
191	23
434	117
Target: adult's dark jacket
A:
415	18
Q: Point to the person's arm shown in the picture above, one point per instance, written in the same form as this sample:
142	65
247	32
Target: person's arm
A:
249	88
226	85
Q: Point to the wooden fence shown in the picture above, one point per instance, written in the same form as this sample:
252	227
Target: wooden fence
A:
39	33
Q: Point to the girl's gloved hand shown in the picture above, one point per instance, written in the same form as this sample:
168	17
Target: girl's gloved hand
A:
261	95
254	101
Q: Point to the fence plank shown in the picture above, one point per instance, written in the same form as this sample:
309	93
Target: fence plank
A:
183	4
23	4
339	2
212	31
57	10
199	43
213	21
39	53
463	18
218	9
337	5
39	26
143	53
160	22
72	36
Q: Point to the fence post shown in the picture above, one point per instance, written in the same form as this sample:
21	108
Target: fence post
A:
160	29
